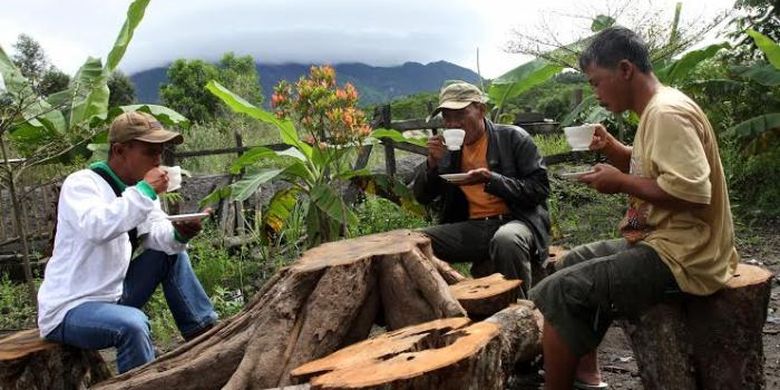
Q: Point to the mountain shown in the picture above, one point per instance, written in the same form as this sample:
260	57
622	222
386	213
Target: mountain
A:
375	84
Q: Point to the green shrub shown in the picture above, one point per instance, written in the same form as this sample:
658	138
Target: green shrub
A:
377	215
752	191
580	214
16	310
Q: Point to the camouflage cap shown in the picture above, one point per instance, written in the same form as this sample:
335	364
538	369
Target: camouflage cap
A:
136	125
458	95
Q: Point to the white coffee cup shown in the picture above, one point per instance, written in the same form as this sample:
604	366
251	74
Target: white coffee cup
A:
174	177
453	138
579	137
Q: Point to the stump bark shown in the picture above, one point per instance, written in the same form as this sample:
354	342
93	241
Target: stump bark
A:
28	362
486	296
452	353
712	342
327	299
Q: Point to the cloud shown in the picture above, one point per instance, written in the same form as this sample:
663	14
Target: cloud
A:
370	31
301	31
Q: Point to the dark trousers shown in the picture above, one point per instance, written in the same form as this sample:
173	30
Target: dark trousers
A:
490	245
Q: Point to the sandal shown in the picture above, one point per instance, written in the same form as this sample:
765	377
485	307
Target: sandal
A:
579	385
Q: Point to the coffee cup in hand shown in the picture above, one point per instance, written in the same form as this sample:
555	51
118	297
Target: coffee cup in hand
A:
453	138
579	137
174	177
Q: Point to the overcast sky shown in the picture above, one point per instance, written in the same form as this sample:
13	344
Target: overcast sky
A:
331	31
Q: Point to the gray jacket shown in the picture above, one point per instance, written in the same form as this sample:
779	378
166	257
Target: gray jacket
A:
519	177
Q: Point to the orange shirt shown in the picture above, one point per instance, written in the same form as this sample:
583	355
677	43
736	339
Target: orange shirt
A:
481	204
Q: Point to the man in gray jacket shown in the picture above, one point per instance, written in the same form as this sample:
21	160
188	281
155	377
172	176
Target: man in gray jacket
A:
496	217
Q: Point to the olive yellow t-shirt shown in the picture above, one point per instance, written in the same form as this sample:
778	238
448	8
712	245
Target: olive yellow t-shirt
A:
676	146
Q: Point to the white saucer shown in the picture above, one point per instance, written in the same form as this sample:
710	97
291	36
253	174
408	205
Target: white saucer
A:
585	149
574	176
187	217
454	177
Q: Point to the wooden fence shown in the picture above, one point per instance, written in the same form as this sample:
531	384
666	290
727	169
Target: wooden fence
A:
39	202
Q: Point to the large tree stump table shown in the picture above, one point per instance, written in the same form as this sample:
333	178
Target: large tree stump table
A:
28	362
712	342
329	298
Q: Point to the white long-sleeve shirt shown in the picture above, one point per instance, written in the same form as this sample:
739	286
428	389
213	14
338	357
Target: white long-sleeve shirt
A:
92	248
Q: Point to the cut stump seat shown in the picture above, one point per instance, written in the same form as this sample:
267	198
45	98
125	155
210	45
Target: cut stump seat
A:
483	297
29	362
712	342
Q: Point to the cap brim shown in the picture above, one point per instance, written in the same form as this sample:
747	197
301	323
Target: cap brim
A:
161	136
450	105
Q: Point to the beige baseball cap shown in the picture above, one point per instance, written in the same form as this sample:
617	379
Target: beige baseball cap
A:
137	125
458	95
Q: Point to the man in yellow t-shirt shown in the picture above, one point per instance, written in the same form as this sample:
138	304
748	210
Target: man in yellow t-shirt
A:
678	233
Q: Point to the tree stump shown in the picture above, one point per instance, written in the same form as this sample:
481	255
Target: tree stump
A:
452	353
328	298
712	342
541	271
486	296
449	353
521	334
28	362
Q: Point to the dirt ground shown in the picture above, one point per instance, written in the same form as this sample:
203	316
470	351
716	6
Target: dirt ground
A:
615	356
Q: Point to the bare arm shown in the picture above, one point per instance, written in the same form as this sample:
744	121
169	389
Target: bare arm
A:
610	180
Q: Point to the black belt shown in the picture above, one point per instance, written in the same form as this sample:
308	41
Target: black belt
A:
500	217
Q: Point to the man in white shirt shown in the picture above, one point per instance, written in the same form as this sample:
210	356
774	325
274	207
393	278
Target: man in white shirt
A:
92	293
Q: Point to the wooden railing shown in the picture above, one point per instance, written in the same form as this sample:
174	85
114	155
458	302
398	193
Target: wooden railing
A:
40	201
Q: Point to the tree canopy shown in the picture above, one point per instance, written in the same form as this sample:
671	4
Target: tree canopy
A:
185	91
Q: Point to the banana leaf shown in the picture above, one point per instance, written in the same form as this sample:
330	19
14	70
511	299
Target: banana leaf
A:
280	207
251	157
756	126
766	74
14	82
770	48
236	103
135	13
215	196
601	22
89	93
326	199
521	79
243	189
167	116
677	70
38	119
396	136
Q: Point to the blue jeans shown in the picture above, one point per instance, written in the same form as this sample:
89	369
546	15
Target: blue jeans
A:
98	325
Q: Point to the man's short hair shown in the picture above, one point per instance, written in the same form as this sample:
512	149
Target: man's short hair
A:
613	45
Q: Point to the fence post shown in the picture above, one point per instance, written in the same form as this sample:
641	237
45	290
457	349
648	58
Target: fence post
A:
240	221
434	130
169	159
387	119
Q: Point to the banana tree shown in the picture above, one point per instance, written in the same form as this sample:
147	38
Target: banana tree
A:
537	71
314	170
39	131
760	132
